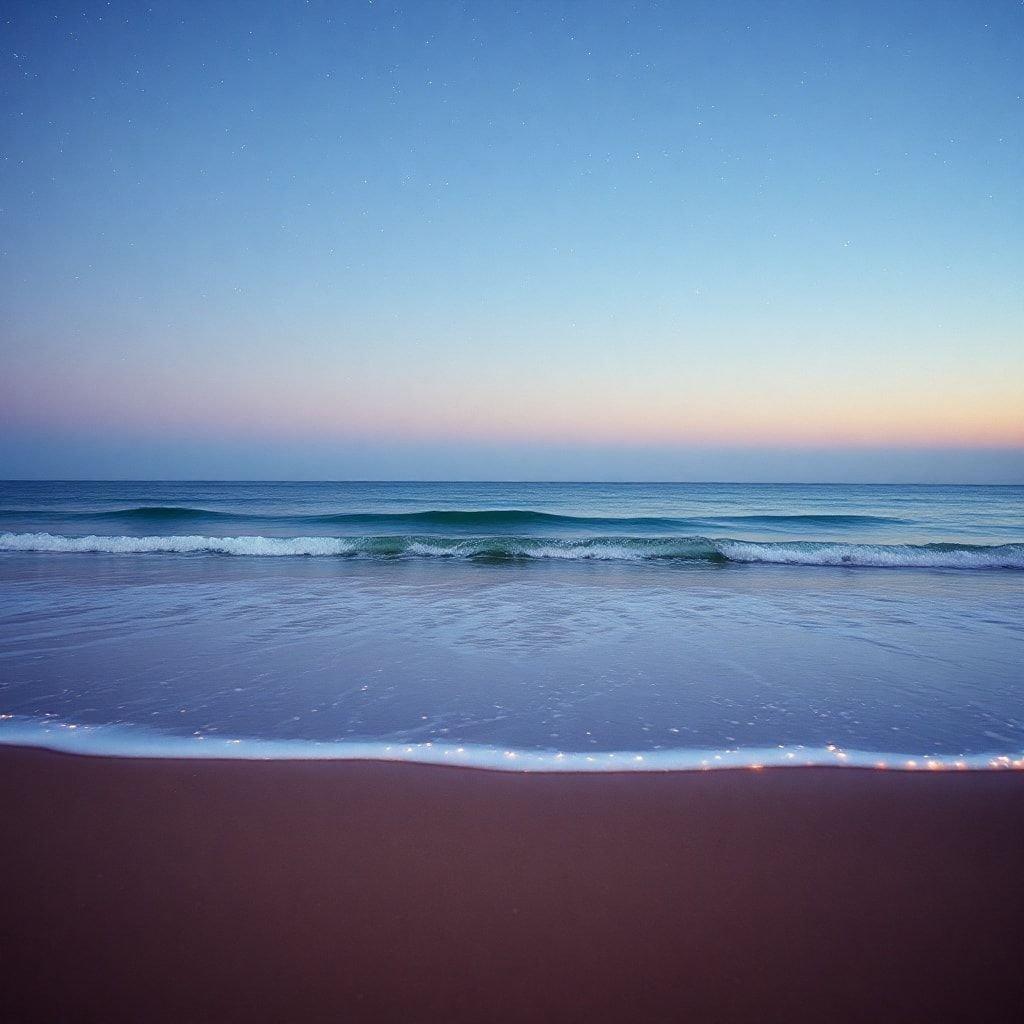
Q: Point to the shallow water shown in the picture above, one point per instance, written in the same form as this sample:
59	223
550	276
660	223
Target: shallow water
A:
538	660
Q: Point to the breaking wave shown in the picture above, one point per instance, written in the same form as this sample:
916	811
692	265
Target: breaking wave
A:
624	548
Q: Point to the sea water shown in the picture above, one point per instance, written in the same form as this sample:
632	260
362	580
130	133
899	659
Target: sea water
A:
525	626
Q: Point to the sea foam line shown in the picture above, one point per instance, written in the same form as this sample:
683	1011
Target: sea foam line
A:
137	742
170	544
633	549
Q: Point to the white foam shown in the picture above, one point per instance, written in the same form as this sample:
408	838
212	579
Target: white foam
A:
632	549
1006	556
133	741
262	546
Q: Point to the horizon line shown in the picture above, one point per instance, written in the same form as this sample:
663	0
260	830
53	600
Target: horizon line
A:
439	480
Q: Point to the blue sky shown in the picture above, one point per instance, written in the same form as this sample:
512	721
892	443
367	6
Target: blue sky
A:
615	241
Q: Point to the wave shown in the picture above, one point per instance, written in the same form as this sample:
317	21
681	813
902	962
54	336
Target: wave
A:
626	549
529	517
924	556
158	513
435	517
143	513
458	518
489	518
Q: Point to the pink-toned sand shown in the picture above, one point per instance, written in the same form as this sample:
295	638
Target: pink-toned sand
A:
286	891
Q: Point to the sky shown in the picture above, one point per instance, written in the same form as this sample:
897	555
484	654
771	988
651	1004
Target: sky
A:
696	241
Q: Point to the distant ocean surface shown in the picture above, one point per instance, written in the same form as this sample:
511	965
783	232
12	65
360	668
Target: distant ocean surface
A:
536	626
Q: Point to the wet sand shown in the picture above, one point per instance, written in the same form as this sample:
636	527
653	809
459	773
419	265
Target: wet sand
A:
305	891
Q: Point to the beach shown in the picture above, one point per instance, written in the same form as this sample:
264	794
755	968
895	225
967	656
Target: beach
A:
511	513
435	752
191	890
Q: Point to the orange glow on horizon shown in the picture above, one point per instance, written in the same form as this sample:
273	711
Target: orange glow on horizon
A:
750	414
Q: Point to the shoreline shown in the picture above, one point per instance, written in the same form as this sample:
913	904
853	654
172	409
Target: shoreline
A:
134	743
271	890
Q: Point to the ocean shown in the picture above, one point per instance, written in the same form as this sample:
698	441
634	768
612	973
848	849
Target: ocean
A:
525	626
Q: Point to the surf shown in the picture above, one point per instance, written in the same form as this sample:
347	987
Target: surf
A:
523	548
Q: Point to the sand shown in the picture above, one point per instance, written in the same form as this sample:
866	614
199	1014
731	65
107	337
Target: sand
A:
187	891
